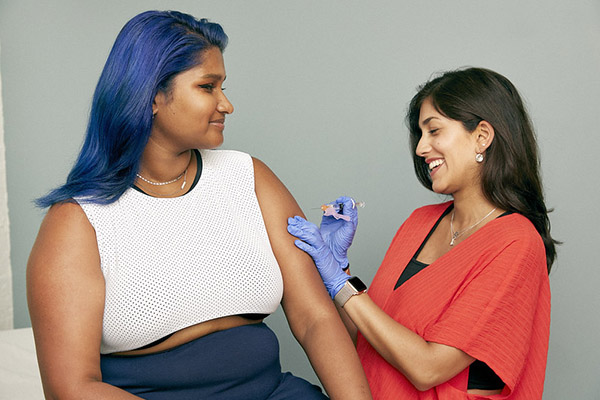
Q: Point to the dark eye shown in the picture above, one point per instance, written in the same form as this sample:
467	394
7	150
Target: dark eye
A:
433	131
209	87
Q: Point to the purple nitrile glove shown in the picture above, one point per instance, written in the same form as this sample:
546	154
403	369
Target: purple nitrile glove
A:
312	243
337	232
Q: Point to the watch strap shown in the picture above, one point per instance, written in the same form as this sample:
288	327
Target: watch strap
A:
352	287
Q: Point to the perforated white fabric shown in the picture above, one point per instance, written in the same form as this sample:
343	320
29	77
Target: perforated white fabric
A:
170	263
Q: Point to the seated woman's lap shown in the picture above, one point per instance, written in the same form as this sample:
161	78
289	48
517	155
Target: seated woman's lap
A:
237	363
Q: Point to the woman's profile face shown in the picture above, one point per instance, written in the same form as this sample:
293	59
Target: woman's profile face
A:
449	150
192	113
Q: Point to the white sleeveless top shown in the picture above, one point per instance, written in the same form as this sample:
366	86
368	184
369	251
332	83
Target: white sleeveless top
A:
170	263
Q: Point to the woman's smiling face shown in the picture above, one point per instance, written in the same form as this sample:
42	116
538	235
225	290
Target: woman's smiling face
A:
191	114
449	150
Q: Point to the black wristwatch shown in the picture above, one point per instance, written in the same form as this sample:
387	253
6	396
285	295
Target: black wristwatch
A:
352	287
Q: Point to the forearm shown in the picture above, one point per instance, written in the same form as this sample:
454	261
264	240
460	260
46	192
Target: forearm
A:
424	363
334	359
92	390
348	323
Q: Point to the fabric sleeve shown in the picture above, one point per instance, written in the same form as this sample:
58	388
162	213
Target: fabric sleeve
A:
492	313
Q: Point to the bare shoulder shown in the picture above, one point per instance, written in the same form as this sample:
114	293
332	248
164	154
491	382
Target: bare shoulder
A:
260	167
65	245
273	196
65	216
276	205
64	254
263	175
65	231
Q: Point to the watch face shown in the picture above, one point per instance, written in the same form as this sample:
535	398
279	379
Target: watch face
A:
358	285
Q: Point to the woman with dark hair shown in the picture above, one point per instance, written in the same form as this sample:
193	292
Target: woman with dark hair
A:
160	257
460	306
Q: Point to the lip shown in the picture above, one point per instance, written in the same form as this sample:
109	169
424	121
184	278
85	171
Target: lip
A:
435	169
218	123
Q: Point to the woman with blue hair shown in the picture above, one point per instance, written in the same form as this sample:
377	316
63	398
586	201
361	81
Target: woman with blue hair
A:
160	257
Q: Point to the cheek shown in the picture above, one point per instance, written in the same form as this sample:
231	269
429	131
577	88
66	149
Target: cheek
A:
205	109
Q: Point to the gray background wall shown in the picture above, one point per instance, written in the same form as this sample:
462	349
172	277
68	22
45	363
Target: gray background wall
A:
320	89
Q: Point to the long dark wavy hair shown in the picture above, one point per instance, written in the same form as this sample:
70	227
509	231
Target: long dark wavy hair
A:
151	49
510	173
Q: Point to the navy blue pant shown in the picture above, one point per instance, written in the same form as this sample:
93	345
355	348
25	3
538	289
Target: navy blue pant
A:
237	363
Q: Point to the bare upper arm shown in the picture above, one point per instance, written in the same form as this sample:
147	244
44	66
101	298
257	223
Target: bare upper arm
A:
65	294
304	293
448	361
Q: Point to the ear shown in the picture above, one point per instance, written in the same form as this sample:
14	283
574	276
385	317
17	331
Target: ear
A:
484	136
154	107
159	99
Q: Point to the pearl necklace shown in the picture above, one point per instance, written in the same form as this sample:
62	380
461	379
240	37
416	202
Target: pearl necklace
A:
161	183
172	193
183	174
457	234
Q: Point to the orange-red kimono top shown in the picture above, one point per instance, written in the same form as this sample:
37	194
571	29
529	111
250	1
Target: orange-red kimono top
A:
489	296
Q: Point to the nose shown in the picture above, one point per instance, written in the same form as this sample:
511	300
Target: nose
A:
423	147
224	105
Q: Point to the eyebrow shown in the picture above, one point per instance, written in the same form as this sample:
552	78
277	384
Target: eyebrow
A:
213	76
427	120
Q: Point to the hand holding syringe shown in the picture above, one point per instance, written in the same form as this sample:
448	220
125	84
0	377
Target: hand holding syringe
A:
335	210
332	238
338	232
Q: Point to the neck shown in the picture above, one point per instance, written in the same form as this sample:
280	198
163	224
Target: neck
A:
160	165
471	208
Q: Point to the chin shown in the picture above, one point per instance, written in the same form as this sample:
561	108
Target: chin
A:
436	188
217	145
211	144
444	191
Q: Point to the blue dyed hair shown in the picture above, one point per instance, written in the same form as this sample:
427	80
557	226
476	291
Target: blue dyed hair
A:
151	49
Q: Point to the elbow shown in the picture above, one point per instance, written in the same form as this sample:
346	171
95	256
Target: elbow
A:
60	393
424	382
305	322
422	386
67	391
425	372
309	326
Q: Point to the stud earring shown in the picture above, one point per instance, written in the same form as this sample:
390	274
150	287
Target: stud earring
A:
479	157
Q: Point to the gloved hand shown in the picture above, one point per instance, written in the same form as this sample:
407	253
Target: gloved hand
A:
312	243
338	233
